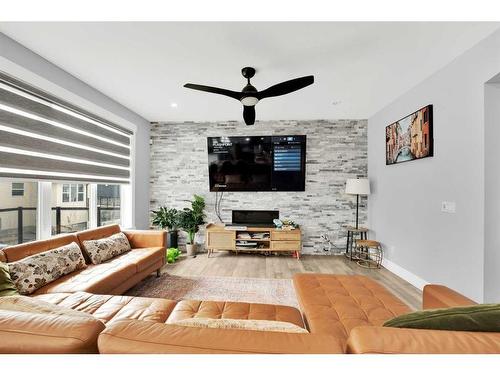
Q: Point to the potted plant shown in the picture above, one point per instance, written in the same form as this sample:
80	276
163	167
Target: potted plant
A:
172	254
167	218
189	221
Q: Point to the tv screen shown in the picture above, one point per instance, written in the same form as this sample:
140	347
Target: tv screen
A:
258	163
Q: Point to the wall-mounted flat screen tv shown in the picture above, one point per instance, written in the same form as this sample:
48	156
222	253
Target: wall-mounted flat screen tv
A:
257	163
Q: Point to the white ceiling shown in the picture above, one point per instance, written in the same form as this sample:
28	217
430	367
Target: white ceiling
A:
360	66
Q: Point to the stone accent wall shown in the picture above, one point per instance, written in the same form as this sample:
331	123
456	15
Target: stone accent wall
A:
336	151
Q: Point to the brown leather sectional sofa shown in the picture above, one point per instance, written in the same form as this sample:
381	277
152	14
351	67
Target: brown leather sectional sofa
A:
343	313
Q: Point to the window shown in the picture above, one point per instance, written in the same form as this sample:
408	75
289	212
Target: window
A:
18	205
70	208
73	206
65	193
81	193
108	204
58	142
73	193
18	189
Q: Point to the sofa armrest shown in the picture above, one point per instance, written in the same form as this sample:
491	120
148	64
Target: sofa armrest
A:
146	238
385	340
440	296
134	336
22	332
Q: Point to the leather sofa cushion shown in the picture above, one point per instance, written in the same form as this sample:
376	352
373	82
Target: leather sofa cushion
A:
440	296
108	276
103	249
18	252
33	333
33	272
112	308
242	324
134	336
98	233
335	304
143	258
99	279
36	306
235	310
385	340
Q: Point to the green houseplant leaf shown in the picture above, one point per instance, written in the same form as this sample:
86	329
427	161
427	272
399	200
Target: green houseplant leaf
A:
172	254
166	218
191	218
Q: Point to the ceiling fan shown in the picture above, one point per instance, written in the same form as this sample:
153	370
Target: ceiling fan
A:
249	96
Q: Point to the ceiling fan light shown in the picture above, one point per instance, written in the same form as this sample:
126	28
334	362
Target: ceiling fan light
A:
249	101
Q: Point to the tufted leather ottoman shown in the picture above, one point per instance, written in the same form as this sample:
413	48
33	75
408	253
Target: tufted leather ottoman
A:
235	310
335	304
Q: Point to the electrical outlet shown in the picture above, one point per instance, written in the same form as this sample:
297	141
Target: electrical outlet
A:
448	207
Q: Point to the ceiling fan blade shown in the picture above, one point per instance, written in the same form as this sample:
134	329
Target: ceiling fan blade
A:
286	87
214	90
249	114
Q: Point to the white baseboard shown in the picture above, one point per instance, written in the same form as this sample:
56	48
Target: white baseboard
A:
413	279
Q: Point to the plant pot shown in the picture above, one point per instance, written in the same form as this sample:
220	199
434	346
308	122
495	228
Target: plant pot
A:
191	250
172	239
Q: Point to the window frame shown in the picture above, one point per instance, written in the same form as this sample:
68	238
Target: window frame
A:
17	189
44	204
73	193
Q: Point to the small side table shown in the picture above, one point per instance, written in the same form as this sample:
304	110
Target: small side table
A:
351	232
369	253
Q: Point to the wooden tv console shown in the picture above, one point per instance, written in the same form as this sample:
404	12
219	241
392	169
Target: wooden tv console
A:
219	238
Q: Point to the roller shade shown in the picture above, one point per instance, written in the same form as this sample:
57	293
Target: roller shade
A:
43	137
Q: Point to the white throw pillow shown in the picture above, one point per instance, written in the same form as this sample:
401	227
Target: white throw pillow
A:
33	272
106	248
244	324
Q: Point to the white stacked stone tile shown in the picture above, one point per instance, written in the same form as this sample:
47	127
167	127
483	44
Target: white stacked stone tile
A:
336	151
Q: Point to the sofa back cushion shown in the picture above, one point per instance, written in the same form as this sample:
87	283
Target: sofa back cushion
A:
7	286
98	233
476	318
244	324
28	325
38	306
106	248
18	252
33	272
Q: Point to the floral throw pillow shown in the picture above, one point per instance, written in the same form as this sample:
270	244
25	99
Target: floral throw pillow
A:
33	272
106	248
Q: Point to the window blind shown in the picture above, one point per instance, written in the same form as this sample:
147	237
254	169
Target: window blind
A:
43	137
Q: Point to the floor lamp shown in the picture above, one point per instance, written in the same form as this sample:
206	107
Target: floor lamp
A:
357	187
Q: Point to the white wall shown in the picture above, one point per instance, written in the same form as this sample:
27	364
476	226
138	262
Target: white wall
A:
491	191
26	65
420	241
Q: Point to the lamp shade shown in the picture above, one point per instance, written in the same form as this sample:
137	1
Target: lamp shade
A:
356	186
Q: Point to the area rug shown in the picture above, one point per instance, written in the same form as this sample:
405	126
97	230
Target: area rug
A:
255	290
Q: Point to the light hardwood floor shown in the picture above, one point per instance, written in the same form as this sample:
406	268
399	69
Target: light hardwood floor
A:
283	267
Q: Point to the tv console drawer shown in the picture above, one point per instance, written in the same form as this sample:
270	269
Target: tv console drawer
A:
221	240
293	235
285	245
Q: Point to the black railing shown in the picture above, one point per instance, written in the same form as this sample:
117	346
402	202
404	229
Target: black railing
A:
58	210
20	225
108	202
99	211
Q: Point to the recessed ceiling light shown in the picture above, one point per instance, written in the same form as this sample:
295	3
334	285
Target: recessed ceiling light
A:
173	105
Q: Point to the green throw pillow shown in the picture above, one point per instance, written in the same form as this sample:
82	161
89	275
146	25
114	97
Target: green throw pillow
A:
7	287
477	318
